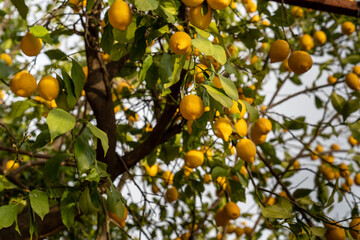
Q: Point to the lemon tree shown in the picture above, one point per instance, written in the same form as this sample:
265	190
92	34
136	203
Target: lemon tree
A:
179	119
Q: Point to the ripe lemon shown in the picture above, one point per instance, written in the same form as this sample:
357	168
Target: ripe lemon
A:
197	19
335	147
192	3
194	158
255	18
262	126
180	43
221	219
86	72
331	79
347	28
217	82
235	108
300	62
352	81
191	107
279	51
246	150
207	60
6	58
171	194
356	69
48	88
77	4
344	170
30	45
320	37
222	182
239	231
349	181
199	72
11	165
241	127
334	232
218	4
152	171
285	65
352	141
186	170
207	178
357	179
251	7
189	126
257	137
232	210
355	227
319	148
119	15
306	42
23	84
155	189
168	177
254	59
121	85
222	128
297	12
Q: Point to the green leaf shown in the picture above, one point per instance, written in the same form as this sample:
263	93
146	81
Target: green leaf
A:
302	192
237	192
219	54
318	231
337	102
219	96
21	7
86	206
56	54
39	203
203	45
78	78
166	68
218	172
178	66
107	40
145	67
51	167
331	198
100	135
8	214
17	110
39	31
254	114
67	208
229	87
349	107
282	209
355	130
42	139
113	201
70	89
59	122
5	70
89	5
146	5
84	154
138	49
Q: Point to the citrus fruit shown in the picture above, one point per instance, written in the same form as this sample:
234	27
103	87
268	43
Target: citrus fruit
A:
23	84
222	128
279	51
30	45
334	232
152	171
319	148
218	4
207	60
186	170
197	19
48	88
355	227
331	79
217	82
251	7
121	85
352	81
262	126
232	210
335	147
257	137
192	3
11	165
300	62
356	69
117	219
119	15
235	108
347	28
344	170
77	4
352	141
320	37
285	65
168	177
189	126
180	43
222	182
297	12
221	219
349	181
241	127
254	59
191	107
6	57
306	42
171	194
207	178
194	158
246	150
255	18
357	179
199	72
155	189
239	231
86	72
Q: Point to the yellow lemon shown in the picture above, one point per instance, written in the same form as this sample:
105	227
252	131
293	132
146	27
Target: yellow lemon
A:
6	57
320	37
357	179
222	128
232	210
344	170
180	43
207	178
262	126
221	219
347	28
352	141
217	82
279	51
77	4
192	3
218	4
48	88
11	165
119	15
265	22
334	232
239	231
222	182
319	148
255	18
297	12
355	227
254	59
246	150
186	170
352	81
306	42
152	171
171	194
155	189
199	72
168	177
235	108
285	65
30	45
194	158
197	19
241	127
257	137
121	85
23	84
300	62
86	72
356	69
331	79
191	107
251	7
189	126
335	147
